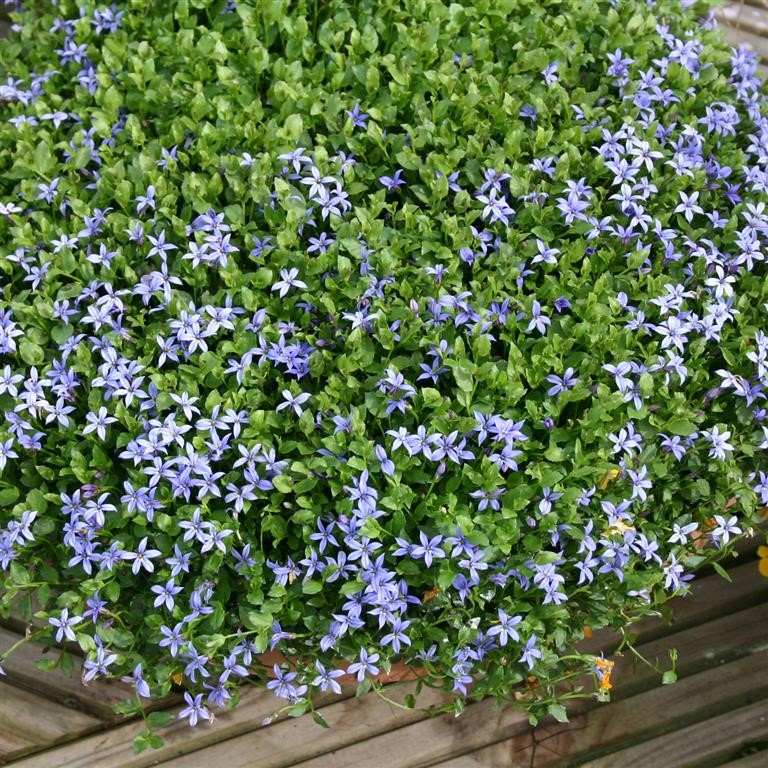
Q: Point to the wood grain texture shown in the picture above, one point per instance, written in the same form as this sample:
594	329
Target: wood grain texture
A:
719	632
599	727
514	753
425	742
705	742
291	741
755	760
29	721
743	17
699	647
410	744
746	22
114	748
96	698
710	597
660	710
710	683
754	42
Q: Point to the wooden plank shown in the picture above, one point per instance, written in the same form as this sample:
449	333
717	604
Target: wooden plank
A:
96	698
659	710
28	722
13	744
591	724
414	738
712	739
496	756
749	542
755	42
425	742
114	748
727	638
742	17
708	741
755	760
699	647
292	740
710	597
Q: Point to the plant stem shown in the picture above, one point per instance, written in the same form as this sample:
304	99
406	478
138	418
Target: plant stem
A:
18	643
386	698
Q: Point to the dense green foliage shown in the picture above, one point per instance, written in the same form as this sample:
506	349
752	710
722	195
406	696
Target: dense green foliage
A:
372	331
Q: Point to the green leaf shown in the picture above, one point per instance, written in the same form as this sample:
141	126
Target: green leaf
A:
298	709
19	575
36	500
558	712
636	259
319	719
464	373
255	619
283	483
209	362
352	587
43	526
722	572
122	638
311	587
294	126
363	687
262	278
60	333
141	742
30	353
680	427
8	496
67	663
86	642
156	741
432	398
669	677
112	590
44	160
160	719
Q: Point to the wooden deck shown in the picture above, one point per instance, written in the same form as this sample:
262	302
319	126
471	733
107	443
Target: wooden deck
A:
715	715
746	21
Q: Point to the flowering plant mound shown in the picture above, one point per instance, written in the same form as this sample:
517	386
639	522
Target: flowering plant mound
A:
373	332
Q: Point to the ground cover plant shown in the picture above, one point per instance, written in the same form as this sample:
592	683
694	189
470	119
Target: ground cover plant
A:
373	332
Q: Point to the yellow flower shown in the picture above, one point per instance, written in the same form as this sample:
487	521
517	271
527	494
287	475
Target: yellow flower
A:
611	474
604	669
762	553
